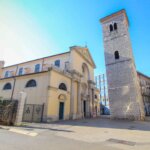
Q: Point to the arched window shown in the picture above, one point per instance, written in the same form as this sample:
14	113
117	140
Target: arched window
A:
116	55
31	83
37	68
57	63
20	71
111	27
115	26
7	86
62	86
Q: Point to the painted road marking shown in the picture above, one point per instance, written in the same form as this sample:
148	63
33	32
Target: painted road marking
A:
23	132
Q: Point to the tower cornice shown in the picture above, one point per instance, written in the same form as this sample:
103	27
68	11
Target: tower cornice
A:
123	11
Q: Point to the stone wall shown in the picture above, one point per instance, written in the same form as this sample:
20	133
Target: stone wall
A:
123	84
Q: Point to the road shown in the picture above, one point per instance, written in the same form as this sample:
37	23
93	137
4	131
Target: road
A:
46	140
95	134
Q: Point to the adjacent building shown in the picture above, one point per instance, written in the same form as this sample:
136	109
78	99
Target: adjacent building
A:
57	87
145	91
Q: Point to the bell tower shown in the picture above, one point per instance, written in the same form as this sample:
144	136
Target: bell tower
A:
123	83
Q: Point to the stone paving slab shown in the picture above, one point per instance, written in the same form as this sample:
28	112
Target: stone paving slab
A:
102	130
98	131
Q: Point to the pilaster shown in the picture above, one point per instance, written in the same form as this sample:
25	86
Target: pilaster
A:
80	115
72	100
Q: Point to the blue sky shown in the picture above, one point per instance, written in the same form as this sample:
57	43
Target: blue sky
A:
32	29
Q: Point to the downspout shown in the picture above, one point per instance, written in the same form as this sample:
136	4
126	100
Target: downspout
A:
13	88
14	84
42	64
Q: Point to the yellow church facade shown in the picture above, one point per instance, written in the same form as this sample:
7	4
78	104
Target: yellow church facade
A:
62	84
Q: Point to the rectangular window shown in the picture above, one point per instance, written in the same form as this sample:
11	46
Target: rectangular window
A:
37	68
20	71
6	74
57	63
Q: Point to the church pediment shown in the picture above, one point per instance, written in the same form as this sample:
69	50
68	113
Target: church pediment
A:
84	52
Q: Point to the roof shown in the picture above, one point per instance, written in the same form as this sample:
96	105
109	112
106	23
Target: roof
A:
73	47
123	11
37	59
77	48
33	73
143	74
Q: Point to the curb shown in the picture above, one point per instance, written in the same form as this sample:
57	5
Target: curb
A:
19	131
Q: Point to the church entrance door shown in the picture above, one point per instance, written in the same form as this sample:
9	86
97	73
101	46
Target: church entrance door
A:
84	108
61	110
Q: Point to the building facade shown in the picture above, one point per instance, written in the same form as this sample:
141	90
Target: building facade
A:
126	99
145	91
63	84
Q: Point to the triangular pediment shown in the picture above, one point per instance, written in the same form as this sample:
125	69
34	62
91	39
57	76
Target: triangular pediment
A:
84	52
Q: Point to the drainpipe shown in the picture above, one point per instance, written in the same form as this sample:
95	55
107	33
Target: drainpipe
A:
13	88
14	84
42	64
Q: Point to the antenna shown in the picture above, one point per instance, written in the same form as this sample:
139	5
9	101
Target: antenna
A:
85	44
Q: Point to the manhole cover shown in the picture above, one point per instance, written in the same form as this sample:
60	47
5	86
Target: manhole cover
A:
122	142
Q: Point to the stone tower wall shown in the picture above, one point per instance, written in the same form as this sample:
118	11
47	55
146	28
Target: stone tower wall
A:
123	84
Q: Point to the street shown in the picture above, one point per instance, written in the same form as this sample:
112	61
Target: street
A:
96	134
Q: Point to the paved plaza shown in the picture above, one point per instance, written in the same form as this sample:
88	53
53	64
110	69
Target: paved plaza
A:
96	134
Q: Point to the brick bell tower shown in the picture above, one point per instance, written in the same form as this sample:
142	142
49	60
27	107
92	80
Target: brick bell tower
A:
123	83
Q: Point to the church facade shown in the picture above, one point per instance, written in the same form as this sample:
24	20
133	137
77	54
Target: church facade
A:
63	84
129	90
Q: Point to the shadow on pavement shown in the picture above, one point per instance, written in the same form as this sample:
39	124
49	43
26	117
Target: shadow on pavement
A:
108	123
31	128
97	123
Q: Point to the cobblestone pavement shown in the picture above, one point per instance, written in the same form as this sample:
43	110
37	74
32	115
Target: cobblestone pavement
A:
102	134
